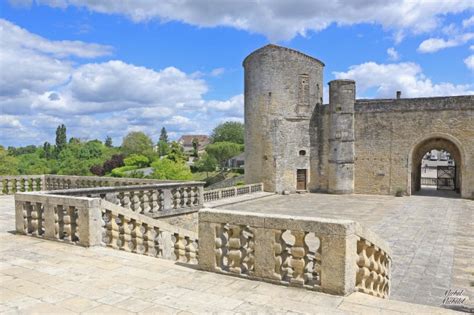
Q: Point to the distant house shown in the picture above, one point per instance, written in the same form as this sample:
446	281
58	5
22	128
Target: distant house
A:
186	141
237	161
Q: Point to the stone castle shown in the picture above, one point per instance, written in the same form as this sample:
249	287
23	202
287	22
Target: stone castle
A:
296	143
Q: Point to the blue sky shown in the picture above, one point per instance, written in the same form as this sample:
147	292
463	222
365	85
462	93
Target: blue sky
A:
105	68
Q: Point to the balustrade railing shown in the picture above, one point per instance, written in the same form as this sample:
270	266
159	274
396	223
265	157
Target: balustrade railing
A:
21	183
156	200
229	192
95	222
25	183
333	256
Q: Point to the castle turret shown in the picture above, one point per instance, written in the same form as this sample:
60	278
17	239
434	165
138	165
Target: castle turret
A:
341	136
282	88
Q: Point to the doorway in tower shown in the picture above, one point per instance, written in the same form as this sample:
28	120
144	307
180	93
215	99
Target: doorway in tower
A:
301	179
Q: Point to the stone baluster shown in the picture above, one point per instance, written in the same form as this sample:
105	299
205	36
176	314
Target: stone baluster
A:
187	196
277	253
125	199
137	235
115	233
145	201
297	263
158	242
150	241
235	254
154	206
67	229
179	247
127	228
191	252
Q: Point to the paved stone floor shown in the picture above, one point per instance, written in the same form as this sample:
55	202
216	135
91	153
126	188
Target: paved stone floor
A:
432	237
47	277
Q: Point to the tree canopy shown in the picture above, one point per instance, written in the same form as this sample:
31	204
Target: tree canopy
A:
230	131
167	169
222	151
137	142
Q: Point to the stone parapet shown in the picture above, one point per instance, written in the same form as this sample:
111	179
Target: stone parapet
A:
24	183
229	192
333	256
88	222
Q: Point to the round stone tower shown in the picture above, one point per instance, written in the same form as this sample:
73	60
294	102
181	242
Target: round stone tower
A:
282	88
341	136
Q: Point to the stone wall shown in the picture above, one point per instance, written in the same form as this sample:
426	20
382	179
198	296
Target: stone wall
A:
333	256
88	222
368	146
389	132
282	89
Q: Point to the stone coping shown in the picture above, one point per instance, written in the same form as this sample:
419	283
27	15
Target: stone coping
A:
339	227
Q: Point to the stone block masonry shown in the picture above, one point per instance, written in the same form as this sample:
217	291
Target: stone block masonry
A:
333	256
294	142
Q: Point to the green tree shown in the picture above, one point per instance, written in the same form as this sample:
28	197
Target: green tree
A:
29	164
137	142
137	160
222	151
164	135
61	138
195	147
206	163
74	140
163	145
167	169
47	151
108	142
8	164
176	153
230	131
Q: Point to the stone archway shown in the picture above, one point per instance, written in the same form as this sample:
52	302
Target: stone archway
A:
434	142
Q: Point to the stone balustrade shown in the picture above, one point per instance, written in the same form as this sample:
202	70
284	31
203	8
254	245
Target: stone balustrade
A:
95	222
155	200
73	219
217	194
333	256
24	183
11	184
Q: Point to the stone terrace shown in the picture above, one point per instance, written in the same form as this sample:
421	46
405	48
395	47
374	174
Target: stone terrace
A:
40	276
432	238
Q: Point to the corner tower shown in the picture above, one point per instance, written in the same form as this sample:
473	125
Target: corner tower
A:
282	88
341	136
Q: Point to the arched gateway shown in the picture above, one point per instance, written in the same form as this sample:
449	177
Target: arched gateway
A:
440	142
351	146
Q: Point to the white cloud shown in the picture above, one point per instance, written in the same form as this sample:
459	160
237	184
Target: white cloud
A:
469	61
434	44
468	22
12	35
407	77
217	72
40	89
393	54
281	20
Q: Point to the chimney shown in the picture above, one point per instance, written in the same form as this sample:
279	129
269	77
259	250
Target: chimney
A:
399	95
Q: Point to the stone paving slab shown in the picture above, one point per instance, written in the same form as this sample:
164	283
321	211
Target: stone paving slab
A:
431	237
49	277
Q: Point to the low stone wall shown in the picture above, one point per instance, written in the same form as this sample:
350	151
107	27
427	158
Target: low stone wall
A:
156	200
217	194
24	183
95	222
333	256
12	184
